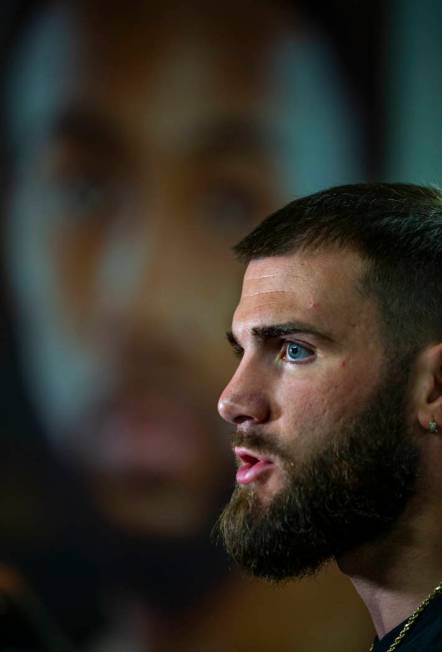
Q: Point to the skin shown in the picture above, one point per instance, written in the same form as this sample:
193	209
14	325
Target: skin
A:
145	145
118	225
340	340
120	218
377	572
274	392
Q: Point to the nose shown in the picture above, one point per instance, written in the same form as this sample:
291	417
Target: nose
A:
161	304
243	401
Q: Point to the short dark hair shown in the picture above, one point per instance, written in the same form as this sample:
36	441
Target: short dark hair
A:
397	230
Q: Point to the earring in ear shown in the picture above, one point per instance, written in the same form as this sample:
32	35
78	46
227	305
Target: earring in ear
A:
432	426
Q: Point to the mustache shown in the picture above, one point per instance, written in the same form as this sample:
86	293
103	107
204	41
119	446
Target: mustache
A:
262	443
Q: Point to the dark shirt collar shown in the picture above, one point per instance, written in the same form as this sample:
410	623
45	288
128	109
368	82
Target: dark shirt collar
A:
430	612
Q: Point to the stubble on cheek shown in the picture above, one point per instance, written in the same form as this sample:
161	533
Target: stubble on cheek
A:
325	410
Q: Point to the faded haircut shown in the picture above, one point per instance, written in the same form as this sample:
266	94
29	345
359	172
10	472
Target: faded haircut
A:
397	230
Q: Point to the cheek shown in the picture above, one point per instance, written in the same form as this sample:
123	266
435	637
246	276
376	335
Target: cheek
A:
30	265
60	374
313	410
76	259
305	411
51	266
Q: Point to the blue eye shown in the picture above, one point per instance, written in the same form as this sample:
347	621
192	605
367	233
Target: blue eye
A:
295	352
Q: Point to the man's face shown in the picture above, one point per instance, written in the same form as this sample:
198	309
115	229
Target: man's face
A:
326	457
143	151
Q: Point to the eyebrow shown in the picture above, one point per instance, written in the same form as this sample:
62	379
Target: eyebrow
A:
272	331
228	136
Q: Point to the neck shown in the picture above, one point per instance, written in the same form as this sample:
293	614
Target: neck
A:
395	575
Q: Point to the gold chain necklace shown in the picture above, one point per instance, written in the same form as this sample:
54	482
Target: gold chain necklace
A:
412	619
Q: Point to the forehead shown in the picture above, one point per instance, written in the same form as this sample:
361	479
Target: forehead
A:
166	75
137	65
317	287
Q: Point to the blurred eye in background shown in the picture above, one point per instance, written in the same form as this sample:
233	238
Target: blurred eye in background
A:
147	144
83	197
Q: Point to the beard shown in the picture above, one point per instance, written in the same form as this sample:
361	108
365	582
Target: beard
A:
349	493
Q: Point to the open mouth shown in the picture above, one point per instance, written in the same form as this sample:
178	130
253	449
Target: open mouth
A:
252	466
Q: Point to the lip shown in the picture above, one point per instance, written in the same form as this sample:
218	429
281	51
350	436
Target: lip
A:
253	466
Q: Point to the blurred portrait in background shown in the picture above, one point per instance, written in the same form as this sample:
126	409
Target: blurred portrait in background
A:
140	143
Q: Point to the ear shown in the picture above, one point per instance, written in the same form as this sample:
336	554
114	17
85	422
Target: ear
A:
428	388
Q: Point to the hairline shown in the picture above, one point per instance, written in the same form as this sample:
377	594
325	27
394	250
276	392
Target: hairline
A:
365	284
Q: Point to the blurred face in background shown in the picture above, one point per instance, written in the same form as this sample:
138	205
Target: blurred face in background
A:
145	144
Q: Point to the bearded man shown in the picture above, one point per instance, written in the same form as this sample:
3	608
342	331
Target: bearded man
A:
337	402
139	141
